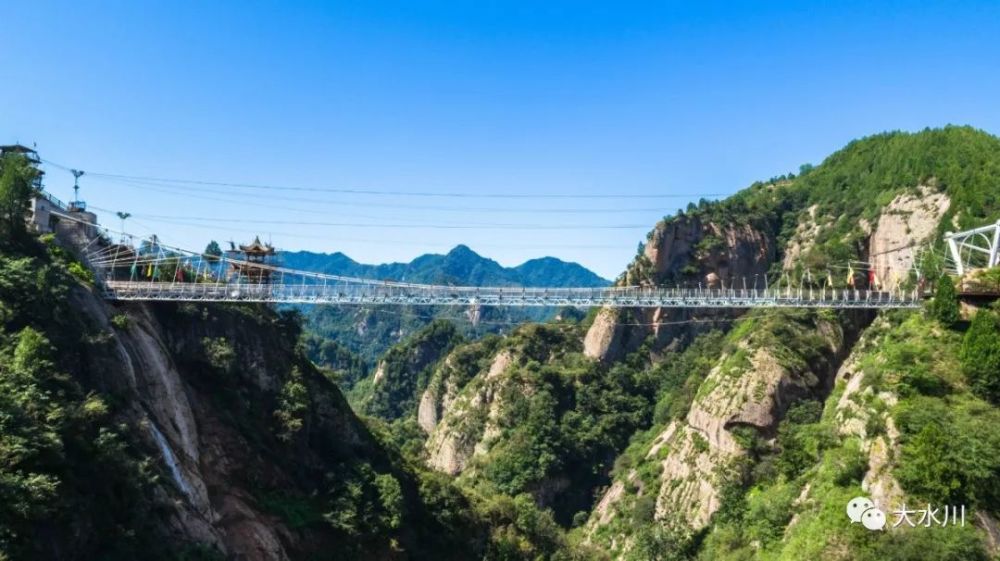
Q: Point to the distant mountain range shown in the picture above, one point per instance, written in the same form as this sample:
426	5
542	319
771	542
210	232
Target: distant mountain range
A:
368	331
460	266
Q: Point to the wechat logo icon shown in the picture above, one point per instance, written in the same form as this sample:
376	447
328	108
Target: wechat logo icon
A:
863	510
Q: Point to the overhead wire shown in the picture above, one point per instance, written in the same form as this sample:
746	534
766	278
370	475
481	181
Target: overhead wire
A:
391	193
295	235
460	226
196	188
171	189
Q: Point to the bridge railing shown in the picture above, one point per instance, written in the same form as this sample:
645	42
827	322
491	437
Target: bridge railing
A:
368	293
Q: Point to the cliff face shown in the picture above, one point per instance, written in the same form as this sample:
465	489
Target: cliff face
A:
793	417
710	252
907	223
248	434
455	440
751	388
692	460
713	435
686	251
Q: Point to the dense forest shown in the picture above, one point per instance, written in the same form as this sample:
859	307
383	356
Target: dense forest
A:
531	414
85	473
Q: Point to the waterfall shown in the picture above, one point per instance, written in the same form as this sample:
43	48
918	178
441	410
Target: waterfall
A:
171	460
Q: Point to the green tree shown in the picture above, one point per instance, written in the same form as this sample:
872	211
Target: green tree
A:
212	251
293	406
391	497
980	355
16	174
930	263
944	307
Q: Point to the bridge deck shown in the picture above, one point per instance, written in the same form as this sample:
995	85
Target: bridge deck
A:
394	294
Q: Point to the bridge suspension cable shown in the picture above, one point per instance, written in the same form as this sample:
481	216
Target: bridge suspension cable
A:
154	271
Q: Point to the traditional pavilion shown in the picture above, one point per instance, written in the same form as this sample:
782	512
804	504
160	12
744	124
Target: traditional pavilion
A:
251	262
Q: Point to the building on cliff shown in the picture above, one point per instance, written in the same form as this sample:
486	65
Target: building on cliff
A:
46	209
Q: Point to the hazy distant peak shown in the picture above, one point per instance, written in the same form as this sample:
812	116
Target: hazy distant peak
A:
460	266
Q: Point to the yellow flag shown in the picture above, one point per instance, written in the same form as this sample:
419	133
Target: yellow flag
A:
850	276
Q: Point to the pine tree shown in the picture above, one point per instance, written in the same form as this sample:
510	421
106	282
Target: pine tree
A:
212	251
980	355
944	307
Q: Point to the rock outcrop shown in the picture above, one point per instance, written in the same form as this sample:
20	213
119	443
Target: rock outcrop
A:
682	251
469	426
802	240
854	412
907	223
750	387
603	339
201	386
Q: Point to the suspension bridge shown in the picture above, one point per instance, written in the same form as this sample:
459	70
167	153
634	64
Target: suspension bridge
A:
152	271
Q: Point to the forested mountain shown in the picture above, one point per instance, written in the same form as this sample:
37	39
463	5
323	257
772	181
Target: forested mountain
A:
177	431
677	434
199	432
370	331
459	267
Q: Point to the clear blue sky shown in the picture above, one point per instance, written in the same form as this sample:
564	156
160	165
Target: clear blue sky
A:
478	97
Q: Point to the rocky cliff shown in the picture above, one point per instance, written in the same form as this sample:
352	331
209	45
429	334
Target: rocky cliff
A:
687	251
656	434
784	403
245	428
788	379
217	437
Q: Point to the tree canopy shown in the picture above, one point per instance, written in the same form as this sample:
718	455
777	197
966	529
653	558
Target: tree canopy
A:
16	174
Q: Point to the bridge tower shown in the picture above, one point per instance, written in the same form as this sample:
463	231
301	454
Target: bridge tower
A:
252	262
976	248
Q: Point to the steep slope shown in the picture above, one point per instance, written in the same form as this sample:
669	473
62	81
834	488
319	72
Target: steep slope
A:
881	200
226	438
176	432
719	406
654	435
404	371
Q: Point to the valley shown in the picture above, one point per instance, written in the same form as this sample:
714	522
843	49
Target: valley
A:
199	430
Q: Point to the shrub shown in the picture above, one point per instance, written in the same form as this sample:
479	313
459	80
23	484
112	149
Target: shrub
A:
120	321
219	353
980	355
293	405
944	307
80	272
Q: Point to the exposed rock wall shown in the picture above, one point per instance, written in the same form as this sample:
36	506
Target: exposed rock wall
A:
140	368
214	466
909	221
752	385
603	341
470	423
802	240
682	251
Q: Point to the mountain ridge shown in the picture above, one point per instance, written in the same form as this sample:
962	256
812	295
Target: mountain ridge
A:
460	265
671	434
